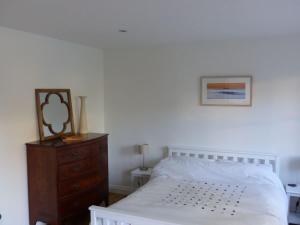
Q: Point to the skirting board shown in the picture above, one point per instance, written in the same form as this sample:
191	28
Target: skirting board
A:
120	189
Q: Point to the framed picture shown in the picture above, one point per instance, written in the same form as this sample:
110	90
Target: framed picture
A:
226	91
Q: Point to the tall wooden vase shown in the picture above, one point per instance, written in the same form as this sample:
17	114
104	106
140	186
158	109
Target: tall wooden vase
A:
83	129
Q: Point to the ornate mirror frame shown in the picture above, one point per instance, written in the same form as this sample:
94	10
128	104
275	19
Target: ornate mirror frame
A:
41	121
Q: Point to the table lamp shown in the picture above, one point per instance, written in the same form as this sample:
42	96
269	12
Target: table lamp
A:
142	149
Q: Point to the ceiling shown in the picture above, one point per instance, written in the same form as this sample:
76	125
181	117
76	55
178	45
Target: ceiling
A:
151	22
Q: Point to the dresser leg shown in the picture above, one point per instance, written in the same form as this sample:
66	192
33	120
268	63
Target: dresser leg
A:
106	201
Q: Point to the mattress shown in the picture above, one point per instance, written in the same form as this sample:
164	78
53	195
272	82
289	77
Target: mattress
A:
188	191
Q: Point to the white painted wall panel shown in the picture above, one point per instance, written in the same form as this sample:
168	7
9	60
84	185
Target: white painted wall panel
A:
27	62
152	96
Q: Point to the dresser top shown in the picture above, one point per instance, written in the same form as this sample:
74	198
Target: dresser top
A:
59	143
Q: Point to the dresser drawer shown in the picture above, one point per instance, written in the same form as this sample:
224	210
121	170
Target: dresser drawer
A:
78	153
75	169
79	203
65	178
74	186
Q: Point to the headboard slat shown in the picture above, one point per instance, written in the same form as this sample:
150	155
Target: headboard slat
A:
209	153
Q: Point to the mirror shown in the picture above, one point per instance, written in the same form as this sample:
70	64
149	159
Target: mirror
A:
55	114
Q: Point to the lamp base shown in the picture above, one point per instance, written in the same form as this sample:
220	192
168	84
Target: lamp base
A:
144	168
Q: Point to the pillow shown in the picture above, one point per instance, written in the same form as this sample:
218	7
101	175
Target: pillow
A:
181	167
191	168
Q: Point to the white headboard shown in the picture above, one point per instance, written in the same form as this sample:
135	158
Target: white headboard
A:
211	153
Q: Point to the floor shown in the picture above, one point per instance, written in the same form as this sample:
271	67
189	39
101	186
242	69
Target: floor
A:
84	220
113	198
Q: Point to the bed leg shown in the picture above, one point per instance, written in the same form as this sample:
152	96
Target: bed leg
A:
93	218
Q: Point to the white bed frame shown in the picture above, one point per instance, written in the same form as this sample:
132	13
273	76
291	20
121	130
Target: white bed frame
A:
212	153
108	216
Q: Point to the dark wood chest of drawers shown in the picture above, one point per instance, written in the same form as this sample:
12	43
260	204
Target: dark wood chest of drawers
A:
64	179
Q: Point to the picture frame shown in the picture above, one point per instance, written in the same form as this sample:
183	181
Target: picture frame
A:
226	91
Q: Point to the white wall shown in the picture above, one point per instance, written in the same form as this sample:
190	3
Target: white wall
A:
28	62
152	96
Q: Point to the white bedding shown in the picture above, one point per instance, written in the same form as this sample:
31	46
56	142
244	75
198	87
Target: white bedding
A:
191	191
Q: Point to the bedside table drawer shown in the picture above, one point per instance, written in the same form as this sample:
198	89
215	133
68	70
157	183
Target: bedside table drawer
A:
75	154
75	169
74	186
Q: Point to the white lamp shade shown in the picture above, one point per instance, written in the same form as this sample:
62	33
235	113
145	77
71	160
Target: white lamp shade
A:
143	148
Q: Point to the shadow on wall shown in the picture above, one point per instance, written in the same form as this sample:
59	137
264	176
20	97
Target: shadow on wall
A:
129	150
294	164
156	156
133	151
165	151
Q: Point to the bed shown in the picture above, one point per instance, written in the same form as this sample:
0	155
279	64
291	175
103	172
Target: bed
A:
200	186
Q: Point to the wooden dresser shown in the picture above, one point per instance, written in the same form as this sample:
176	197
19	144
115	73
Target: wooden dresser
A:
64	179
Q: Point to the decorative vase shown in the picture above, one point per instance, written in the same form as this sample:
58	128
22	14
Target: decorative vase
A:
83	129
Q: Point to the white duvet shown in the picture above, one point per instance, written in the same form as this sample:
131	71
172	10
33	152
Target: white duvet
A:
192	191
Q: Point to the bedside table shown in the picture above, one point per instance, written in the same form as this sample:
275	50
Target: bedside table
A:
140	177
293	217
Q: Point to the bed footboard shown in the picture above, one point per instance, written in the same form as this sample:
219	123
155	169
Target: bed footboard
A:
108	216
